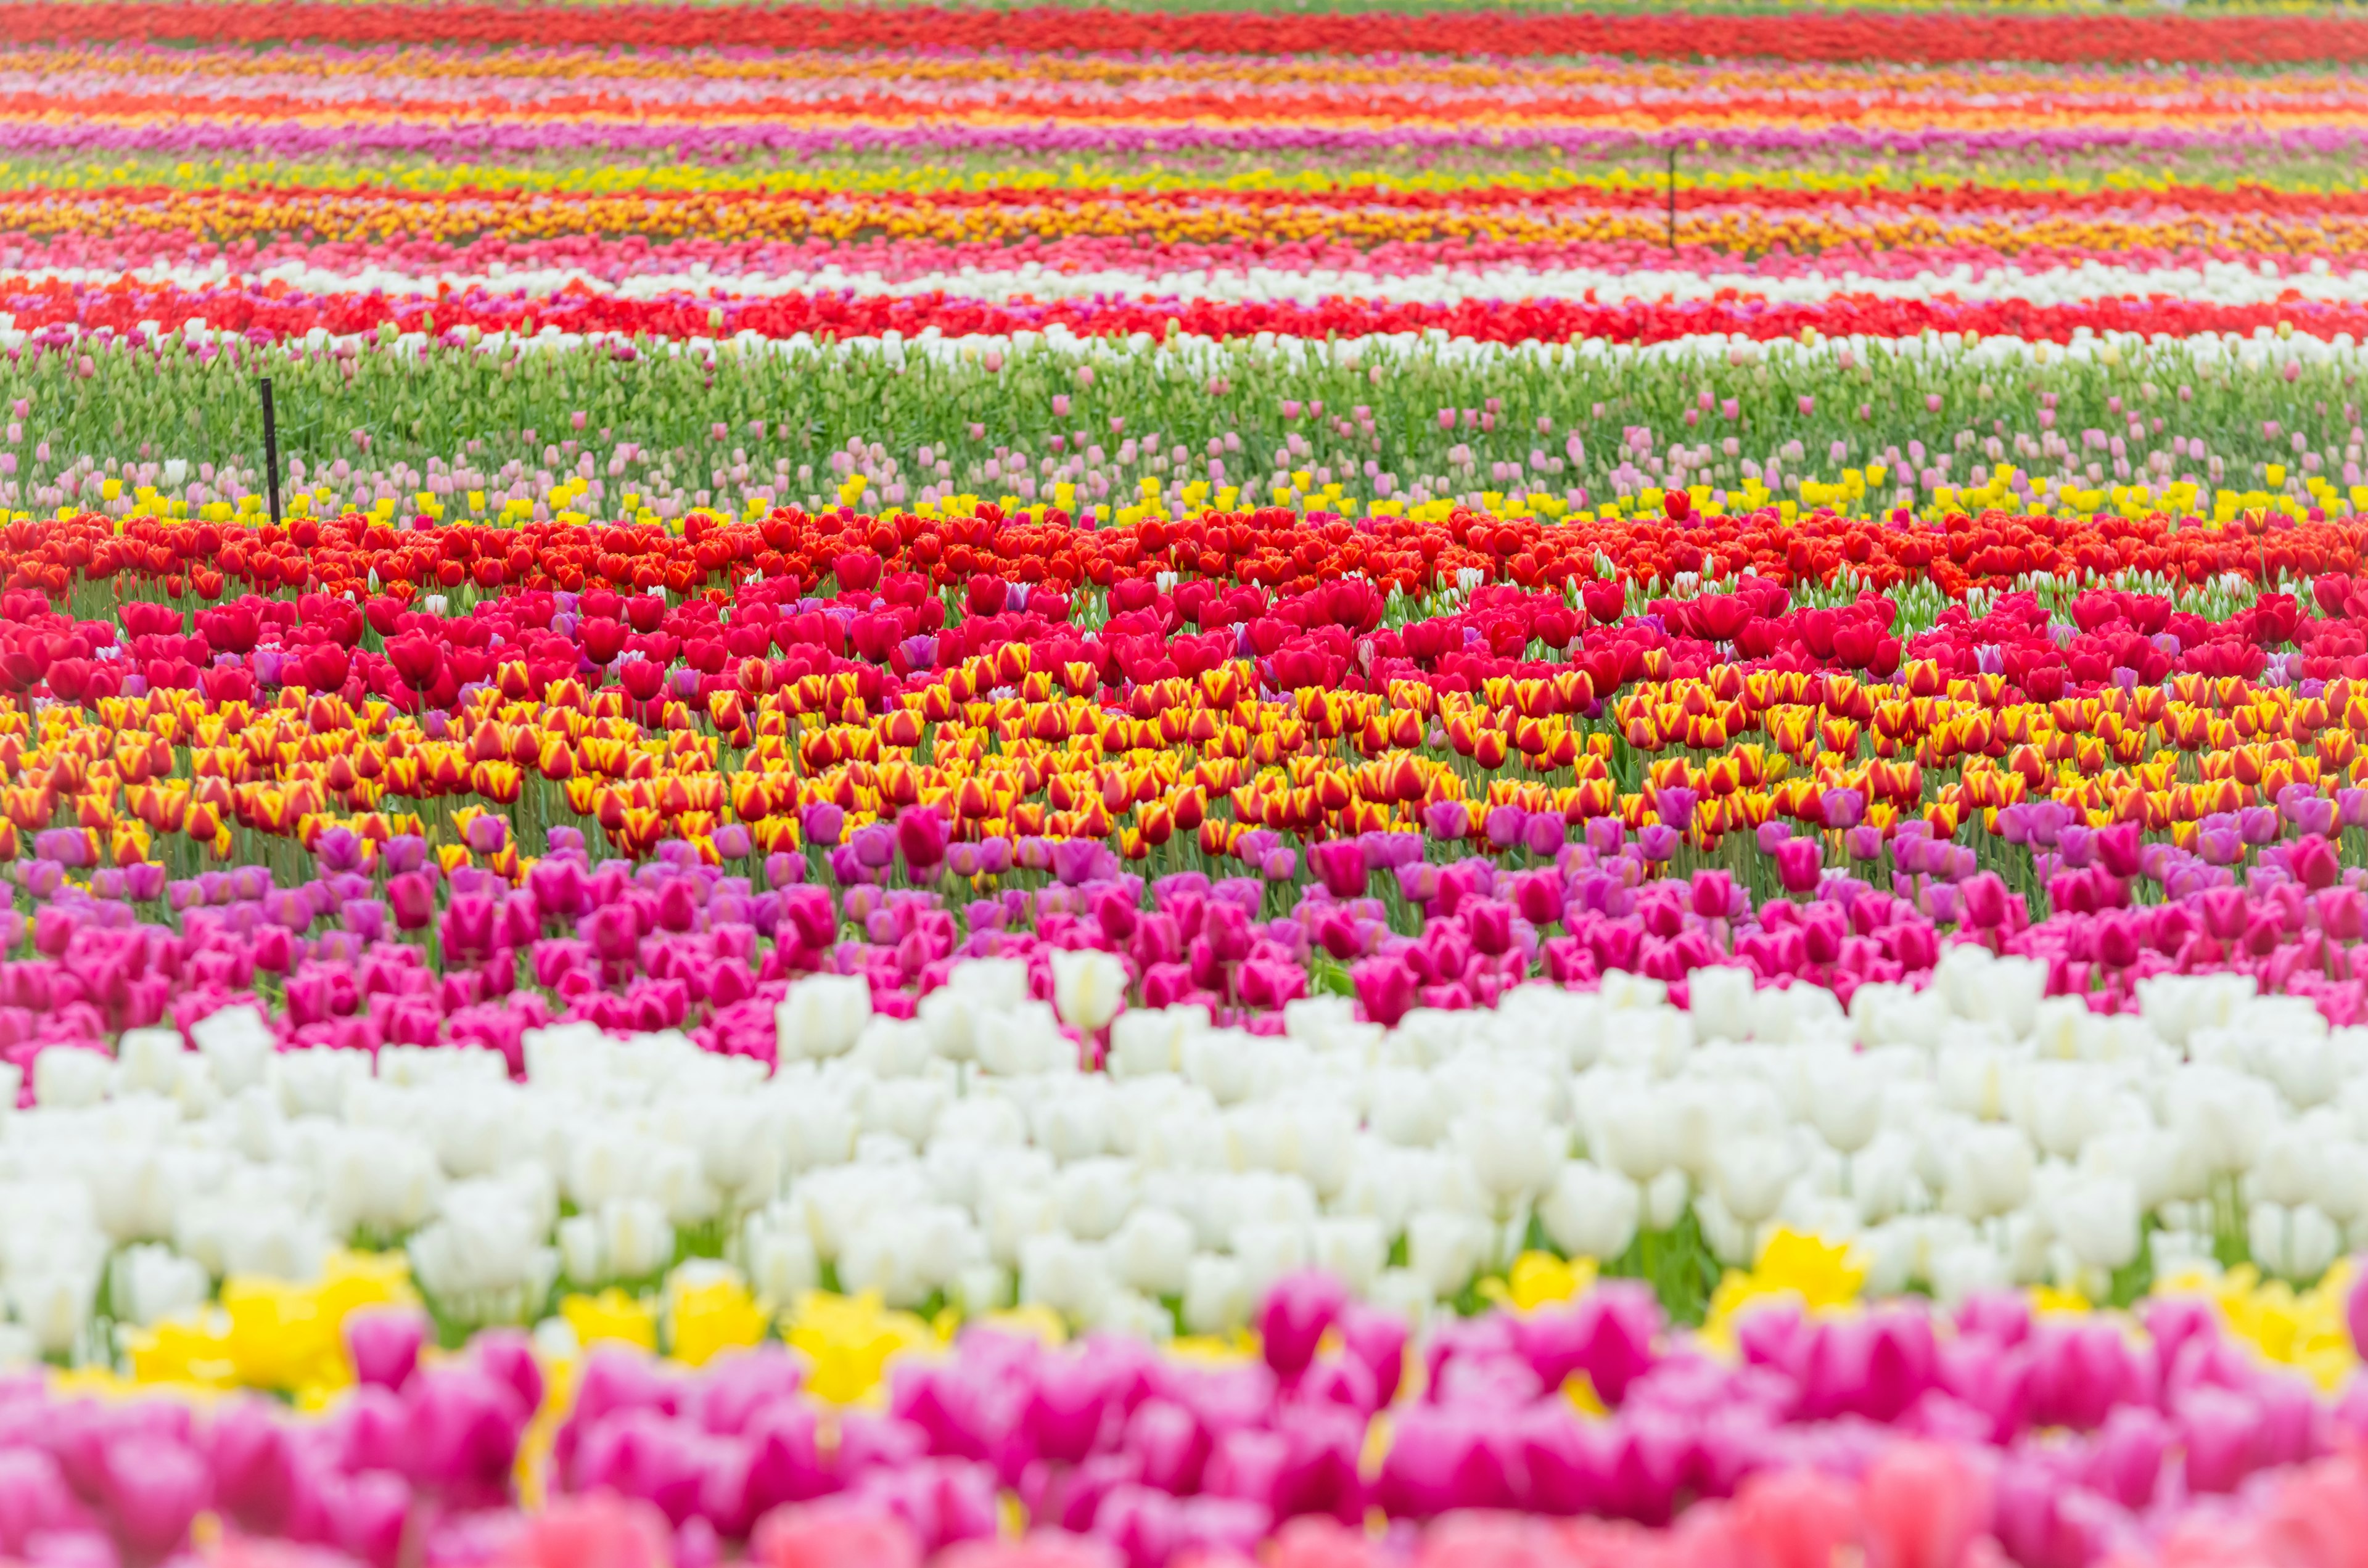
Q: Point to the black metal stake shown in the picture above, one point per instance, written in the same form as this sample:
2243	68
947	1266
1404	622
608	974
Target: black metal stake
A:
1673	200
270	451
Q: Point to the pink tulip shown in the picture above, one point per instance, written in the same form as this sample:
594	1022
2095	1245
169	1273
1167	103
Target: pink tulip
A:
1921	1505
384	1343
605	1531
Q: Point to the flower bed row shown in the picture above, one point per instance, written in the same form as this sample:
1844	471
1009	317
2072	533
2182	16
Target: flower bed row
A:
1791	457
2105	38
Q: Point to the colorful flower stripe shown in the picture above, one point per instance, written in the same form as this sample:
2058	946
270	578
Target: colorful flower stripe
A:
1745	222
277	314
1089	269
1885	1433
2107	37
813	103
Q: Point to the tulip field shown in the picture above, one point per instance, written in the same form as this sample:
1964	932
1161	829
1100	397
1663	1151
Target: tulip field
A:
1335	787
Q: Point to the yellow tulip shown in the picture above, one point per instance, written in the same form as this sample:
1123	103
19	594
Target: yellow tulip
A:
849	1340
611	1315
706	1318
1818	1274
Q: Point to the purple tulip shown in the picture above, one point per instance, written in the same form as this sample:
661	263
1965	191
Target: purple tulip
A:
1074	860
1543	833
2219	844
823	824
731	841
874	845
402	854
1448	820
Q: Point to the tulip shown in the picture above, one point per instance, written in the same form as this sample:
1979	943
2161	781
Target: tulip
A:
1798	865
823	824
1090	987
1385	990
384	1344
1340	866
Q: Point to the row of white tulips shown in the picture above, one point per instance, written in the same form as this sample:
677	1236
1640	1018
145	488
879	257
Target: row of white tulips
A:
1968	1135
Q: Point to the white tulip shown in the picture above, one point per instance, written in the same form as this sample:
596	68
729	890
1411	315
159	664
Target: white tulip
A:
1023	1041
1973	1081
2062	1105
2303	1066
1749	1174
149	1283
1077	1124
1144	1042
149	1059
1094	1196
1014	1216
2295	1242
2342	1189
909	1256
1592	1213
314	1082
999	985
815	1130
379	1182
1654	1041
1989	1171
581	1260
946	1017
1665	1196
908	1108
1216	1295
1732	1242
70	1078
1567	1023
238	1044
1352	1249
822	1015
636	1241
1267	1251
2176	1005
1845	1101
2097	1219
53	1308
1968	1270
1088	986
779	1256
1446	1249
1512	1152
1152	1251
981	1289
1720	998
1633	1132
2289	1171
1226	1063
2223	1116
1063	1274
